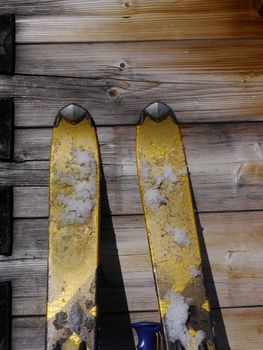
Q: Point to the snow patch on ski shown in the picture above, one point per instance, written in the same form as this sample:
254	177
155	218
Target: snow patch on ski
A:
176	319
154	182
154	199
180	236
167	174
78	194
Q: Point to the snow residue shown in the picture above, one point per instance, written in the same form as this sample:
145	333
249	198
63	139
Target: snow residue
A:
194	272
169	174
180	236
154	182
145	168
176	319
154	199
79	192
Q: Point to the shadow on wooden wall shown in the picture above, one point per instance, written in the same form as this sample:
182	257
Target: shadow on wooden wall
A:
221	338
110	331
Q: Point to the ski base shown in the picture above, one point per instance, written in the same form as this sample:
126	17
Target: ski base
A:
172	231
73	232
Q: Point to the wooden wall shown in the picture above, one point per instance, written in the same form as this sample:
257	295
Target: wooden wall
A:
203	58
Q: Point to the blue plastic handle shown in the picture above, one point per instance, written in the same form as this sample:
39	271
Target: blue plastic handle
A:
146	334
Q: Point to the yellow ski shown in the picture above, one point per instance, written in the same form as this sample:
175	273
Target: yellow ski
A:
172	231
73	231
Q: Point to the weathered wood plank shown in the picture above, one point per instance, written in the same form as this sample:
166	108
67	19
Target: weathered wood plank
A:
226	63
224	161
134	21
233	247
190	61
205	144
231	98
28	333
108	8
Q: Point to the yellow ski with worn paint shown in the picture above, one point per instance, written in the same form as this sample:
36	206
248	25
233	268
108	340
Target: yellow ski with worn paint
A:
172	231
73	231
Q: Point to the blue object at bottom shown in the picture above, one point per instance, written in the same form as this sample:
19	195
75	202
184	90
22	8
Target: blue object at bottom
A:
146	334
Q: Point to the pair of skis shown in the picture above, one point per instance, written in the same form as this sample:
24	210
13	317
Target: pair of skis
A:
171	228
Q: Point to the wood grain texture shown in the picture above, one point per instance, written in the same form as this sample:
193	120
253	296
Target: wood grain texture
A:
233	248
189	61
224	162
28	332
38	98
61	21
203	80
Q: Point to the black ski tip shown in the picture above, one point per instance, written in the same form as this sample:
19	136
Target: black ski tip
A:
73	114
83	346
157	111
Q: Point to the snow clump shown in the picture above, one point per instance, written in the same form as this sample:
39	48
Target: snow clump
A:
79	193
176	319
180	236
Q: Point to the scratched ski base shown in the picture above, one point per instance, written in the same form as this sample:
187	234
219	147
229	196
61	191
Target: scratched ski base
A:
73	231
172	231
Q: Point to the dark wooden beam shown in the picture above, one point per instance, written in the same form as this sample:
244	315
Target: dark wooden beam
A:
6	129
5	315
6	220
7	43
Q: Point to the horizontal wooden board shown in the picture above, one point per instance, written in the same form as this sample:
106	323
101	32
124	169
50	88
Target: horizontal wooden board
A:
234	250
191	61
133	21
233	66
225	161
243	328
236	97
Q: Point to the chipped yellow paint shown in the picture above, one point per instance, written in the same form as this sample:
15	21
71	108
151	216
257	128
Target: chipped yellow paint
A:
164	304
206	306
73	248
94	311
192	331
159	144
72	343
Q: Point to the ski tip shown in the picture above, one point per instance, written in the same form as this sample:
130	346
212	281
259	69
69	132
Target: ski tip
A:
73	114
157	111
